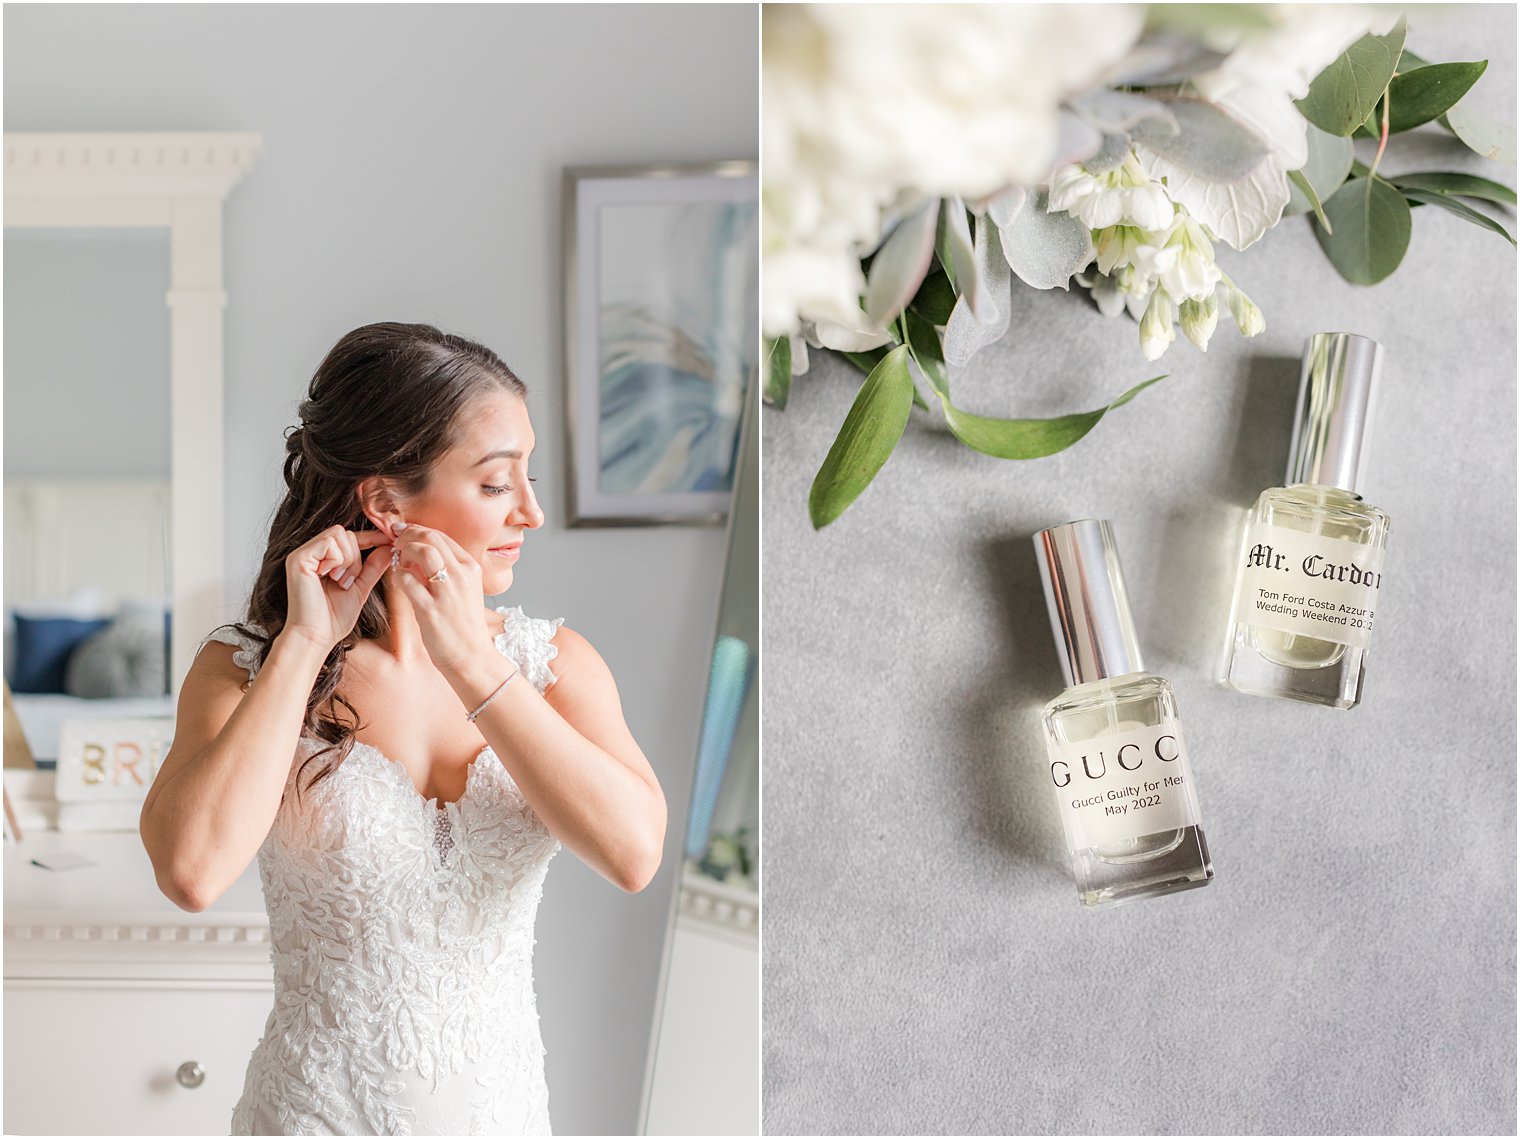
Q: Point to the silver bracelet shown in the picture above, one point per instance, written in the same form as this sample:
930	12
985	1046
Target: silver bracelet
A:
494	695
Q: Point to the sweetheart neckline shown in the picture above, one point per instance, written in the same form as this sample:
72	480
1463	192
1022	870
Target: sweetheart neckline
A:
406	776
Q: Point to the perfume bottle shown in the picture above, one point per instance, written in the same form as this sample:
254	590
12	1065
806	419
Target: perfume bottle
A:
1120	769
1311	561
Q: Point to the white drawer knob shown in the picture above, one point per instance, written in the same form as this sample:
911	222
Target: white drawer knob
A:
191	1074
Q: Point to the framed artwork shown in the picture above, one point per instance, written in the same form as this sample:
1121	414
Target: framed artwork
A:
661	338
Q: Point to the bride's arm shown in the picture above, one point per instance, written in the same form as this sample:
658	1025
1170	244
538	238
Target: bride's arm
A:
573	757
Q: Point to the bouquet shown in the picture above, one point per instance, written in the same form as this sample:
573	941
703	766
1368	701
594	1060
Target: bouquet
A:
921	162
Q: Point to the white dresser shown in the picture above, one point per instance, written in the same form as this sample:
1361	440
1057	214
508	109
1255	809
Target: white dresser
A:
124	1015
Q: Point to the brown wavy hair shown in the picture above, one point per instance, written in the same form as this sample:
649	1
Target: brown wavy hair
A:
389	399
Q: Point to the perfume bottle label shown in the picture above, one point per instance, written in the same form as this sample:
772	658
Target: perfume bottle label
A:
1123	785
1308	584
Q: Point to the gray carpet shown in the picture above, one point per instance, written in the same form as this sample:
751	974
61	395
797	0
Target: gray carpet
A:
927	966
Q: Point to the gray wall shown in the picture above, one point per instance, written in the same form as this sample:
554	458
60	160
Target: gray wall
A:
411	172
86	353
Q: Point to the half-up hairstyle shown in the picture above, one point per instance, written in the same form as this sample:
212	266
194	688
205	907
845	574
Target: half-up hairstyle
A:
388	400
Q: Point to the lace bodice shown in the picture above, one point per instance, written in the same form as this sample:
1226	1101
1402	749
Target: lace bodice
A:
401	939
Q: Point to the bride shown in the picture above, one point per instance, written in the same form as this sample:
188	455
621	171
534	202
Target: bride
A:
402	760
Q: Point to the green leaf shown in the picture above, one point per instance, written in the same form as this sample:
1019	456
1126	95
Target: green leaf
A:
1028	438
935	300
1459	185
942	251
1307	190
1371	221
1461	209
1343	95
871	429
778	371
1330	158
924	343
1483	134
1416	97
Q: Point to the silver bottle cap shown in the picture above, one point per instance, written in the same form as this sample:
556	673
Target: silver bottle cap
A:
1334	415
1089	608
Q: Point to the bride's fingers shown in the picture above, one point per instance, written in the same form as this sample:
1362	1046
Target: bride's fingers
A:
421	599
373	570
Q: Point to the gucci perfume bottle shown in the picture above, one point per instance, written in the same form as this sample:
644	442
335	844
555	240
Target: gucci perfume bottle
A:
1311	562
1120	769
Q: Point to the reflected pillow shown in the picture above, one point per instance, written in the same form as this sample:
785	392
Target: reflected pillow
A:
43	648
126	658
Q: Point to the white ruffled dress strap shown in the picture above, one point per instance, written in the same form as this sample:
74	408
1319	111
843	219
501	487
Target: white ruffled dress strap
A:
247	655
526	640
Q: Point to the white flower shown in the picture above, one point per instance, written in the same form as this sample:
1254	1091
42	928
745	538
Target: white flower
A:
1198	318
1247	316
1116	246
824	283
1106	292
1123	195
1156	331
971	106
1181	261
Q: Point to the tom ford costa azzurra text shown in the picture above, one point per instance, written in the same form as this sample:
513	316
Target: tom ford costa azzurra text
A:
1118	763
1311	563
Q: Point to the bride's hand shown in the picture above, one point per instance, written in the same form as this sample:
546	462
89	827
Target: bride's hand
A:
448	611
318	607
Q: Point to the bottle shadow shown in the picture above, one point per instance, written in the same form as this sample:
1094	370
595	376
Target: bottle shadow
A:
1186	622
1263	429
1015	807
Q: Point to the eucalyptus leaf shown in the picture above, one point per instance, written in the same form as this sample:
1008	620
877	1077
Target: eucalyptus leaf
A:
1416	97
1208	144
1461	209
967	331
1372	223
1343	94
1204	21
1330	159
1459	185
900	265
1301	186
871	429
935	299
1043	248
1028	438
778	370
1483	134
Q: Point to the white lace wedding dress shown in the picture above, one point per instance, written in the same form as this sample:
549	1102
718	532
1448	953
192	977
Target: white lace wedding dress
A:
402	943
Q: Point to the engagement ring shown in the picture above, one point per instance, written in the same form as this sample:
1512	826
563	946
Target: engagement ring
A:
441	575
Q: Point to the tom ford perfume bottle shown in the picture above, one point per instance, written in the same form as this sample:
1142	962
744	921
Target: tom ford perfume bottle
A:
1118	764
1311	562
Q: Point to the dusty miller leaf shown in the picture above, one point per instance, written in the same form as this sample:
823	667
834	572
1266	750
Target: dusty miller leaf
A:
1044	249
967	331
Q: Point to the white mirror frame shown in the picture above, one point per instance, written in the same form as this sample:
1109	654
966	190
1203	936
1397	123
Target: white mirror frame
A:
175	181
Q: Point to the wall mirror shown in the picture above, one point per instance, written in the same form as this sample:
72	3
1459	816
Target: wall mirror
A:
703	1076
113	428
